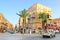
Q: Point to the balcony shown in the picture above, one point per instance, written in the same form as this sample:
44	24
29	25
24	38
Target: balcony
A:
29	17
33	15
28	21
34	20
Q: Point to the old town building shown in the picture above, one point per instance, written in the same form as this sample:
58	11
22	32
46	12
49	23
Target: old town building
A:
56	21
33	20
4	22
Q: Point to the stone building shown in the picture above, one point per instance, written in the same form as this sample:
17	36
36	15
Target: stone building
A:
5	23
56	21
33	20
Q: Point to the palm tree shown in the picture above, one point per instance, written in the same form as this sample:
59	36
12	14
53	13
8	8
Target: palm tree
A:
43	17
23	14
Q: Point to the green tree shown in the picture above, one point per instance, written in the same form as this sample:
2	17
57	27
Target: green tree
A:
23	14
43	17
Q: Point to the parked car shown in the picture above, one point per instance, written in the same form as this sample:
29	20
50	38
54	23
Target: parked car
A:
57	31
48	33
11	31
4	31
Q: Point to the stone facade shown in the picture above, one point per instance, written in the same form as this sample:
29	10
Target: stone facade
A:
56	21
4	22
33	20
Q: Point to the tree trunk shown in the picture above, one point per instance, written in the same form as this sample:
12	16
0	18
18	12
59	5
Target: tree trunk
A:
43	24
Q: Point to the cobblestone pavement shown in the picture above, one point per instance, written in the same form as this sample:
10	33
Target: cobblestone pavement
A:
7	36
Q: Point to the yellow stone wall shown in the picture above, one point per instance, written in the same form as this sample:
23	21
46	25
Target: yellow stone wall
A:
10	25
21	21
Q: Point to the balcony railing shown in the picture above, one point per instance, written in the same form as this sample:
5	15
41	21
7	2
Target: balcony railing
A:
29	17
33	15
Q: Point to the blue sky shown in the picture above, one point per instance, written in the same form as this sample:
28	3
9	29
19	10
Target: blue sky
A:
10	7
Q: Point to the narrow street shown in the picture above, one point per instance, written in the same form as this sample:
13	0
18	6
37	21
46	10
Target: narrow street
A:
7	36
